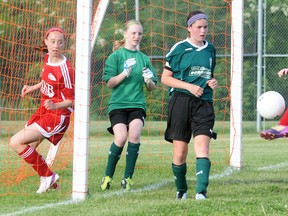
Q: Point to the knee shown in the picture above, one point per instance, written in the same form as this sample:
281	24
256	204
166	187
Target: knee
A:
134	137
13	143
179	159
120	141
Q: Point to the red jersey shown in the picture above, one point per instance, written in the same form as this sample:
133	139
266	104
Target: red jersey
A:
57	84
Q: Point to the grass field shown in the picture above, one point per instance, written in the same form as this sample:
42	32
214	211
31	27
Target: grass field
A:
259	188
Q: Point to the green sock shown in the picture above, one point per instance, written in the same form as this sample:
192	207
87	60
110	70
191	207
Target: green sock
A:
180	177
113	158
131	158
202	173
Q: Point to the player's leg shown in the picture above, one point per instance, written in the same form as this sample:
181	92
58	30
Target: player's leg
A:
179	168
119	121
115	151
202	127
35	144
279	131
58	125
135	128
52	152
284	119
179	132
28	135
55	138
203	165
20	144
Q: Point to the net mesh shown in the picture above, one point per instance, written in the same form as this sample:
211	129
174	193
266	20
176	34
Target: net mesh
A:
22	26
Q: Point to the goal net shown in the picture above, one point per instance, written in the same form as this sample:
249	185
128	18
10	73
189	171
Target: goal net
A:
23	24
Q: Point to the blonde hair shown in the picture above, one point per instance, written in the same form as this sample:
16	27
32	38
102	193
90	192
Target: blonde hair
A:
120	43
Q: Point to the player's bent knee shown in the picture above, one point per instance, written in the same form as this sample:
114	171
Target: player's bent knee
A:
14	144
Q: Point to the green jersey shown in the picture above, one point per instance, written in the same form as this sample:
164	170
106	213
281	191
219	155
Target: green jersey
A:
130	92
193	65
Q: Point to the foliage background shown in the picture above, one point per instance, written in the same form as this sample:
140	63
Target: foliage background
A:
23	23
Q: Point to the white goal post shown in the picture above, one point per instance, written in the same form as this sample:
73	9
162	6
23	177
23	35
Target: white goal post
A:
85	40
84	32
236	83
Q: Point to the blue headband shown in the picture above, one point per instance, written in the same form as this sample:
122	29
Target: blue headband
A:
196	17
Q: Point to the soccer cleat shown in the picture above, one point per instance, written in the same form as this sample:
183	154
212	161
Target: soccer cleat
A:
126	183
48	182
55	186
201	196
278	131
181	195
106	183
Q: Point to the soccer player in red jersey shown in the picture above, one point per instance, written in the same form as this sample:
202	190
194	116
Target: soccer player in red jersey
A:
52	118
280	130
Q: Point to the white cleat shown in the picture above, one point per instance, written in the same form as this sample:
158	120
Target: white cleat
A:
201	196
181	195
47	182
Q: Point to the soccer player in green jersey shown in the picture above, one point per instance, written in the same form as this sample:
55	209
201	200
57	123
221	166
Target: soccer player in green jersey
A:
127	70
189	72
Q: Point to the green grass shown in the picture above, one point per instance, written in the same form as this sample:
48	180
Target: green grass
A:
260	187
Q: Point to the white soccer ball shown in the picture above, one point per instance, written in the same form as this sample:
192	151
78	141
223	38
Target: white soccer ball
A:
270	105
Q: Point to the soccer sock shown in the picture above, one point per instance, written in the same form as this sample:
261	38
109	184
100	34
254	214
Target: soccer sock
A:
113	158
284	119
131	158
31	156
180	177
202	173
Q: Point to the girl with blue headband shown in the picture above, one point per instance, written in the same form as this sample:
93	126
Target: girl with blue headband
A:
189	74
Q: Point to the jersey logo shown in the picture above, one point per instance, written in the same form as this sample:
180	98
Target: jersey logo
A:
188	49
210	61
51	77
47	89
200	172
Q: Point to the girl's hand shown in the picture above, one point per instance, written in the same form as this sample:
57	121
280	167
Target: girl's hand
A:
196	90
212	83
50	105
25	90
283	72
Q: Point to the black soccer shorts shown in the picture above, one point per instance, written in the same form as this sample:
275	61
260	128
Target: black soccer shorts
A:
187	116
125	116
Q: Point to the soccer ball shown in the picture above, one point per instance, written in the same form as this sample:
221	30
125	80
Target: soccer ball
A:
270	105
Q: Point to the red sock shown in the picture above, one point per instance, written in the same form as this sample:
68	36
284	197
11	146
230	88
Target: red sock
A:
31	156
284	119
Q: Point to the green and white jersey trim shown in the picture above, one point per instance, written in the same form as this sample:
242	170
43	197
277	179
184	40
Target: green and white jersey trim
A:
192	64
